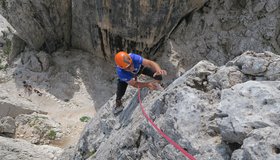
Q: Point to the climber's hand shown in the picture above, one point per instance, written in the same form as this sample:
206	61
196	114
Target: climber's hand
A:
160	72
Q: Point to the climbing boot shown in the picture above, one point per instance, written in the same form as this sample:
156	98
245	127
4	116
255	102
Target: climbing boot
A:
119	107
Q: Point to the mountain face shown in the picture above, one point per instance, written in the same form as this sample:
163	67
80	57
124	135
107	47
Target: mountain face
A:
221	102
227	112
220	31
133	25
43	25
95	26
216	31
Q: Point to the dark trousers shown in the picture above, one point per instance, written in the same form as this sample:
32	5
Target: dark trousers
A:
123	85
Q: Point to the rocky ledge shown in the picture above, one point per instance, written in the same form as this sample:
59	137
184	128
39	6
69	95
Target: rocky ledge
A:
227	112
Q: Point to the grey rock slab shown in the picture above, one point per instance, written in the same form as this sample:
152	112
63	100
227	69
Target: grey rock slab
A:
250	105
12	149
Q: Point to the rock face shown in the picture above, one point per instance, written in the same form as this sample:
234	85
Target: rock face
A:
42	24
222	30
37	128
97	26
218	31
14	109
7	126
11	149
228	112
263	142
109	26
211	117
62	73
252	110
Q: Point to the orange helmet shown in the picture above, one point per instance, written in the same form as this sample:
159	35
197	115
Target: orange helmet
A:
122	59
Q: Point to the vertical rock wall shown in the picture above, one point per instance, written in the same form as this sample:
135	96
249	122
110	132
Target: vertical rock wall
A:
222	30
107	26
43	24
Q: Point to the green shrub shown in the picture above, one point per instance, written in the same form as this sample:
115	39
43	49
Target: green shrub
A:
52	135
89	154
2	67
84	119
7	47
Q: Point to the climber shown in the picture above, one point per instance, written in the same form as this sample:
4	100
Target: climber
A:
130	66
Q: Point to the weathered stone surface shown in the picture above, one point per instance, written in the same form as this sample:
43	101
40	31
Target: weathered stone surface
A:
222	30
13	109
105	27
37	128
272	5
210	111
41	24
62	74
211	116
7	126
226	77
67	154
12	149
263	142
36	62
11	106
130	136
249	106
254	64
261	66
45	60
17	46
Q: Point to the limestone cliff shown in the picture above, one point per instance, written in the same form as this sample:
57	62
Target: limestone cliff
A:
222	30
42	24
95	26
228	112
108	26
225	107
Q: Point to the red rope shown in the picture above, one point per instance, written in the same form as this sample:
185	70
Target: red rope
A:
177	146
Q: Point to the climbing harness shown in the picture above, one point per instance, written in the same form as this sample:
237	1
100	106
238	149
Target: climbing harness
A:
177	146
